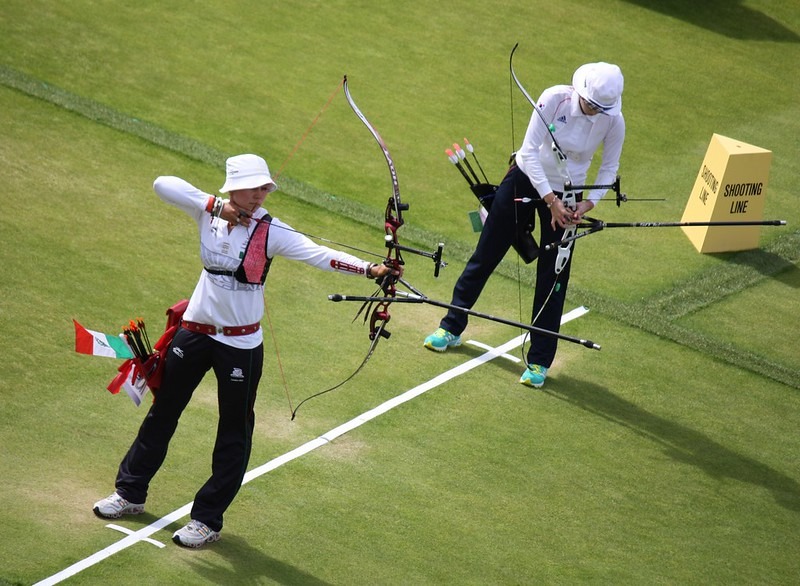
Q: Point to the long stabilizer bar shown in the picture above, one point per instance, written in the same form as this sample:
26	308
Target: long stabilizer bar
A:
404	297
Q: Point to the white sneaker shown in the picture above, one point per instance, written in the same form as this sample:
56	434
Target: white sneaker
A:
195	534
114	506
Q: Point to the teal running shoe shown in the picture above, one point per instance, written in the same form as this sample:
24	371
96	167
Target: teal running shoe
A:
441	340
534	376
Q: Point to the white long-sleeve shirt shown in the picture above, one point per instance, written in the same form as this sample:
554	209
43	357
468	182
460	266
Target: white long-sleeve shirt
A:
221	300
578	135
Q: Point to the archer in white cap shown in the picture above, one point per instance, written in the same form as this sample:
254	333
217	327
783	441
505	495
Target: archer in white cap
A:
582	117
220	331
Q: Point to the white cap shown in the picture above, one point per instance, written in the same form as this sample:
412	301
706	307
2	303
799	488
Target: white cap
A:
601	85
246	172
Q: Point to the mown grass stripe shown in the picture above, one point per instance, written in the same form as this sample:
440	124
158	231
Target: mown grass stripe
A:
650	321
193	149
744	269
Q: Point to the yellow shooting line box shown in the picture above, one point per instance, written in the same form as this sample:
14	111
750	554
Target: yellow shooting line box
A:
731	186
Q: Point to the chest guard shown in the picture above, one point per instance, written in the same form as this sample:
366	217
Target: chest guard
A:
255	264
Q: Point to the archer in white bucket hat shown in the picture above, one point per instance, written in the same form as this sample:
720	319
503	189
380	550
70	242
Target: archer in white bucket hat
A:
246	172
601	85
220	330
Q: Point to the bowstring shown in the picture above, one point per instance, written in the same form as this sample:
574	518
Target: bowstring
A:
278	174
320	238
516	204
277	354
372	346
308	130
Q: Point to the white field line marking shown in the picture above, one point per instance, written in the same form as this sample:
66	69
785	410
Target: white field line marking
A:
144	533
127	531
483	346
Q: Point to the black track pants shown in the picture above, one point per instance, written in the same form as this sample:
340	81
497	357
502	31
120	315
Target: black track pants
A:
238	372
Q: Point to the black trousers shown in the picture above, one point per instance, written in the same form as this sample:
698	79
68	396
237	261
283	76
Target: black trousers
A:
238	372
496	238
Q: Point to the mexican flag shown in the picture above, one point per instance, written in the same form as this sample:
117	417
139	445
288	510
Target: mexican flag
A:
97	344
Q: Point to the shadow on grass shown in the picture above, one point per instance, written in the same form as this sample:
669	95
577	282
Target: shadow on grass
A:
790	277
244	564
767	263
724	17
681	443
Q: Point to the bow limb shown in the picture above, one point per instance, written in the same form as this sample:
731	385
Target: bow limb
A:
516	79
393	216
560	156
395	201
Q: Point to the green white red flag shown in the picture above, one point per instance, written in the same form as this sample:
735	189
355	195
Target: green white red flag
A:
99	344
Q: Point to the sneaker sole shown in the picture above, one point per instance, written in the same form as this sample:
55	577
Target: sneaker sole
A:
210	539
435	348
136	511
532	385
430	346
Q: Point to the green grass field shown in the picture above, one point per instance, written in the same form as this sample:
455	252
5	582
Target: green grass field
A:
669	457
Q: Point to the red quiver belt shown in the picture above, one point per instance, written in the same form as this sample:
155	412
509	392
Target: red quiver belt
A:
152	368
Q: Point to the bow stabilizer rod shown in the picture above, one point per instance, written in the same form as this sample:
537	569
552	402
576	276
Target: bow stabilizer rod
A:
620	197
436	256
598	225
404	297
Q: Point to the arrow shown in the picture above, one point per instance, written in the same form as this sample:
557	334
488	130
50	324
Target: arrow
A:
471	150
455	160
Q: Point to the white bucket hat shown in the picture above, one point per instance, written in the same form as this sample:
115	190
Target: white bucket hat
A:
601	85
246	172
